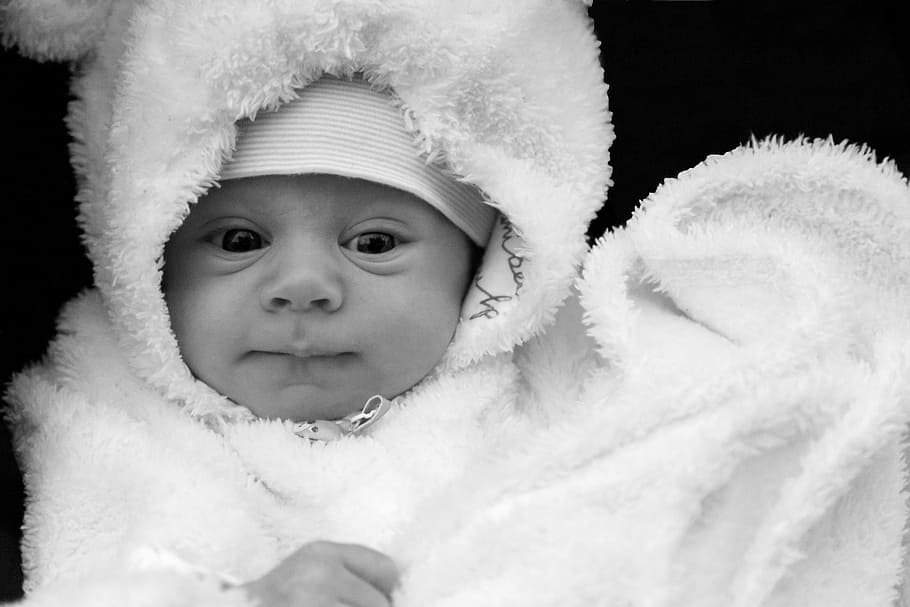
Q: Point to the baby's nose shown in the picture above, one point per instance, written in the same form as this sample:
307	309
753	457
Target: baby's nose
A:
304	282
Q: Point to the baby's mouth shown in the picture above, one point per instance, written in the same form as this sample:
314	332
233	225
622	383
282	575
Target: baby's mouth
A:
309	351
298	366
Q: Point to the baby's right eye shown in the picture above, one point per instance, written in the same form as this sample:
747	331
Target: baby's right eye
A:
239	240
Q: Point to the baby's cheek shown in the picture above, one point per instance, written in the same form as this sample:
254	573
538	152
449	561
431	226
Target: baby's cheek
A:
435	321
198	322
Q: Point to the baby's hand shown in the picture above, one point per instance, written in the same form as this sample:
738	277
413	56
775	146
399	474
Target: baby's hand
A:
325	573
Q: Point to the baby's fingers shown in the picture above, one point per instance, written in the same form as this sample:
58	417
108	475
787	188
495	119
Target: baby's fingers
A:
355	591
370	565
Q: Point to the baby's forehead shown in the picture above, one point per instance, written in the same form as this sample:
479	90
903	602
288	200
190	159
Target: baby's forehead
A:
273	197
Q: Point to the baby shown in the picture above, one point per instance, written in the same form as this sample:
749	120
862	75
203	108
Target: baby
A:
320	233
315	281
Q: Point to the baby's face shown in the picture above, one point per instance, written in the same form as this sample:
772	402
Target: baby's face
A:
301	296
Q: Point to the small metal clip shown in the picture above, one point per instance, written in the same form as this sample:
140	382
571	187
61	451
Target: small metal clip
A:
325	430
375	407
319	430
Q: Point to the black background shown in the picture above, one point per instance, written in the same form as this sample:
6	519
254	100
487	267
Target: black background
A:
687	79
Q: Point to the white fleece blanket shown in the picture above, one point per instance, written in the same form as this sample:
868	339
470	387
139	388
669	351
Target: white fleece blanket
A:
716	419
742	443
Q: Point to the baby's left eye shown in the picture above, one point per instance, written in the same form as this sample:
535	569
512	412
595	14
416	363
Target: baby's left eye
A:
374	243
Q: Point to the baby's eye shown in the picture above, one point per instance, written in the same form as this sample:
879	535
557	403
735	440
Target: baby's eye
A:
374	243
240	240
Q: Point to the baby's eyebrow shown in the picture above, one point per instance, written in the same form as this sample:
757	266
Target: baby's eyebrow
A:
230	206
204	221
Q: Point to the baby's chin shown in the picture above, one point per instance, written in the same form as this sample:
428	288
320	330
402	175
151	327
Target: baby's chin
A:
304	404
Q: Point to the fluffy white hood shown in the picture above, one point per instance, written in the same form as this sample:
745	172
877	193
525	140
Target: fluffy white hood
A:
510	93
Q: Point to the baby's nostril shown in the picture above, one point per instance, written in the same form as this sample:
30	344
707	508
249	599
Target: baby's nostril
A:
280	302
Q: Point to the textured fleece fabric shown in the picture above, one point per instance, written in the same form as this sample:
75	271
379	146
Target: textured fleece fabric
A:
706	409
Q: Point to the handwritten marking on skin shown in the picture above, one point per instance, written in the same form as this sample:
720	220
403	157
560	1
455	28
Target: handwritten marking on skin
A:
515	261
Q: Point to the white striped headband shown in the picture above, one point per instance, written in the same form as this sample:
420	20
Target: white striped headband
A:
347	128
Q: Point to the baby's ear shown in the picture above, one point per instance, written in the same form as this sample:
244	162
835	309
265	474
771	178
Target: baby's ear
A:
56	30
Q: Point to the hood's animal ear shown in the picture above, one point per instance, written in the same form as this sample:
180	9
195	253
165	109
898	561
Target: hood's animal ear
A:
56	30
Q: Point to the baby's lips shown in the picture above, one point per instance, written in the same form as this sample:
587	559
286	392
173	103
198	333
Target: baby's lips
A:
307	350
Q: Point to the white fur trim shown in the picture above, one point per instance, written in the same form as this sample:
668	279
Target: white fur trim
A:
60	30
